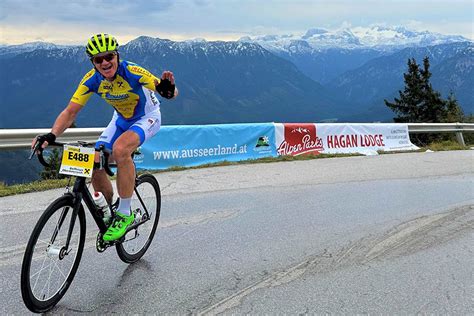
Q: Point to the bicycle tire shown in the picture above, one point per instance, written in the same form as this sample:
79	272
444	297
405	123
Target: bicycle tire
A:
32	301
149	190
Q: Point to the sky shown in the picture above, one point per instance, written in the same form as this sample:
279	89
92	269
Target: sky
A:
74	21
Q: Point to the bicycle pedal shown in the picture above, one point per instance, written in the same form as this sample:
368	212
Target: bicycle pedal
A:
100	244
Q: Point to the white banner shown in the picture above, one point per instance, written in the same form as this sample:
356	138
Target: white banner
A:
296	139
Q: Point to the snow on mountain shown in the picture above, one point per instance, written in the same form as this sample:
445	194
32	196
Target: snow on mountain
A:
27	47
402	37
382	38
195	47
375	37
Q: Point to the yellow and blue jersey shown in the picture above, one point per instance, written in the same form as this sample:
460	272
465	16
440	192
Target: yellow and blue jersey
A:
131	93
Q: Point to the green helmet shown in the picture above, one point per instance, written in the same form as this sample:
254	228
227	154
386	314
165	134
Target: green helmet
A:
101	43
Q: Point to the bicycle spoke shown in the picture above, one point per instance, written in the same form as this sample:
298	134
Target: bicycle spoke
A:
51	269
46	285
45	242
39	257
59	269
41	269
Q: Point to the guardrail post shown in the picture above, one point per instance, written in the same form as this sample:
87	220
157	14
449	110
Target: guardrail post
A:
460	139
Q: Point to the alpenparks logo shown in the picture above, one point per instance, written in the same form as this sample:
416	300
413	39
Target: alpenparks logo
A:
300	139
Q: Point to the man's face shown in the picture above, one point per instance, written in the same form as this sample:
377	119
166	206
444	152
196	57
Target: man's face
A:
106	63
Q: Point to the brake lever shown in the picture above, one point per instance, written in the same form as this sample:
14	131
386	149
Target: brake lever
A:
35	149
38	151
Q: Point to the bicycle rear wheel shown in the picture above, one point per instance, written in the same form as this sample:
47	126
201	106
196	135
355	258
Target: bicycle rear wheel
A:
48	269
146	199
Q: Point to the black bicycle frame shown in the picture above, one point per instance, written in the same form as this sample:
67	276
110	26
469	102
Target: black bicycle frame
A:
81	193
140	199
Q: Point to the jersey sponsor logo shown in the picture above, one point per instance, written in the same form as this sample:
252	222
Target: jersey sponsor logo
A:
109	96
153	98
137	70
87	76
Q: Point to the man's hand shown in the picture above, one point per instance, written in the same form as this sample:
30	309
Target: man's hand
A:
43	140
166	87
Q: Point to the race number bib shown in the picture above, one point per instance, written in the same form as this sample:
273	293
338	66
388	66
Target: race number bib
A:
77	161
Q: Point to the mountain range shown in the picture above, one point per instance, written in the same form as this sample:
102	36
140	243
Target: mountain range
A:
320	75
219	82
384	38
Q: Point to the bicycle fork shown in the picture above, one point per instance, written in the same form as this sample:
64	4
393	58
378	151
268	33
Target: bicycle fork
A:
61	252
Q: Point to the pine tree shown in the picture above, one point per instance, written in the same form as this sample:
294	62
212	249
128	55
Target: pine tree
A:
419	102
433	106
454	111
407	106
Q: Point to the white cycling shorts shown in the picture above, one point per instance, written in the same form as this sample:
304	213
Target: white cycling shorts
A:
145	127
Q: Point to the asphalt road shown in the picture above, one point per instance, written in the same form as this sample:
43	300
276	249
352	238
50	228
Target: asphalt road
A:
380	234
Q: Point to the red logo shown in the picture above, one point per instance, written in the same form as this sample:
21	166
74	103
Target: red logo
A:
300	139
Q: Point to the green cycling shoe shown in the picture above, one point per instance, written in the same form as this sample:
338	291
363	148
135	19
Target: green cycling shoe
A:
119	226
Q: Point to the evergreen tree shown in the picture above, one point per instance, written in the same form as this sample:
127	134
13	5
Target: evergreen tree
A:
407	105
454	111
433	108
419	102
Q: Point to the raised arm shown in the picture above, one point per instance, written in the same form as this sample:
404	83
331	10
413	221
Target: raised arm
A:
166	86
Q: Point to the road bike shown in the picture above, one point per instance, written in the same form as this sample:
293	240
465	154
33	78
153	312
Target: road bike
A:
55	247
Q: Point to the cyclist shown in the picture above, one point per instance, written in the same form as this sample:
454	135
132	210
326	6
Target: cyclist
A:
130	89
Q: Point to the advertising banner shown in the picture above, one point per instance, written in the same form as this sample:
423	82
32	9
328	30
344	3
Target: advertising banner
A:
296	139
293	139
193	145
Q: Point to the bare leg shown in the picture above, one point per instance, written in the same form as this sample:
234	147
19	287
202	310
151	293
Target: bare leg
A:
122	152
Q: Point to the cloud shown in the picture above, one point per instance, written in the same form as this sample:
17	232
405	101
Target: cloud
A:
93	11
229	19
202	3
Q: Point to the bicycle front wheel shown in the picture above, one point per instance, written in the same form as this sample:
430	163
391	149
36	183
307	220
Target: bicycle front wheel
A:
146	204
48	267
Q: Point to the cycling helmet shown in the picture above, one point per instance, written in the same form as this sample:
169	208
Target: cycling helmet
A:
101	43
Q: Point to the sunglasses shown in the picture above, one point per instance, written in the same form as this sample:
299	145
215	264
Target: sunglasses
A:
99	59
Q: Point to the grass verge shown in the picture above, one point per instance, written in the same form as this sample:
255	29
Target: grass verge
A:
40	185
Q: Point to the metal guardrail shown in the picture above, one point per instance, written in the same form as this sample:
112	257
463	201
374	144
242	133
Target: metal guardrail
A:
440	127
21	138
457	128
